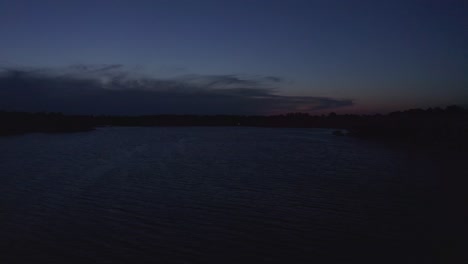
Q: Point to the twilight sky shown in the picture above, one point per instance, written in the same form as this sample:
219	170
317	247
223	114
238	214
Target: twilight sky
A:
232	57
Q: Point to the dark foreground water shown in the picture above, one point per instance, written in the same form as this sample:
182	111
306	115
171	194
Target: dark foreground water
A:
224	195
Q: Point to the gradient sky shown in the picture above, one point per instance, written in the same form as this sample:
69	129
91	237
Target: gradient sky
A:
343	56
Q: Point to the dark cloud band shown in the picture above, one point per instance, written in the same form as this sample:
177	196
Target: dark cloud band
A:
117	93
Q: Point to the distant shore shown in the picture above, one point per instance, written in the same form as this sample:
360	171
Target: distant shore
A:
433	126
16	123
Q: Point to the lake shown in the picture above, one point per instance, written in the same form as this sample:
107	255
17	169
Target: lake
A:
215	194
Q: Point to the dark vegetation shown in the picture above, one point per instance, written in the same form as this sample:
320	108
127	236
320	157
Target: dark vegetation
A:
13	123
430	126
434	126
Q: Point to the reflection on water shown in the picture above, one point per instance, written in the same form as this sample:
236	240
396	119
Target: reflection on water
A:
230	195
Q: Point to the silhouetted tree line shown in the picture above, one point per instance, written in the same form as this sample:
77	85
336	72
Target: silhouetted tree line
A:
433	126
429	125
12	123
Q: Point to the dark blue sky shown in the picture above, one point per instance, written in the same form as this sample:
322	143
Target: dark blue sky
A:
343	56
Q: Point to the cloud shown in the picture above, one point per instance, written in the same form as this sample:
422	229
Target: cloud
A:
228	81
273	78
108	89
96	68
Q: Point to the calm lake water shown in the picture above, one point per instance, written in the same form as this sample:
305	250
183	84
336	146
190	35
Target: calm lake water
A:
224	195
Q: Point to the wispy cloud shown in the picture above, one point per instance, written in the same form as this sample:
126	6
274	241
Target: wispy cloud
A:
109	89
96	68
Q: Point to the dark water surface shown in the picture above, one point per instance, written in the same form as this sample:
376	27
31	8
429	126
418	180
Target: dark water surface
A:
224	195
